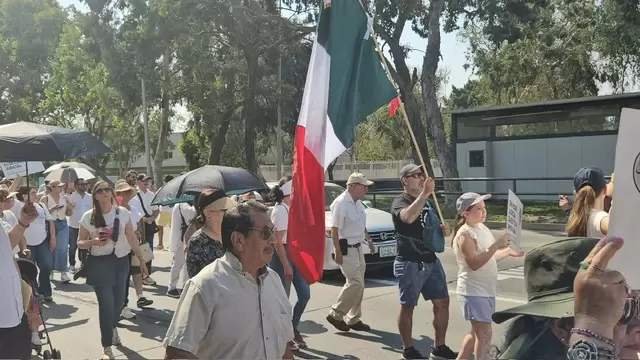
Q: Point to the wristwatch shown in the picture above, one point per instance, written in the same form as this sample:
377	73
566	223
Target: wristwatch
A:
588	350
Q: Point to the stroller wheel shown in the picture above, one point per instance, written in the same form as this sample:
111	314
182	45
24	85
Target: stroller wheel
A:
56	354
38	349
46	355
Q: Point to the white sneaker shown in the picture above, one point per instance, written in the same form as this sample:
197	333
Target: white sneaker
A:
149	281
107	354
65	278
116	338
127	313
35	339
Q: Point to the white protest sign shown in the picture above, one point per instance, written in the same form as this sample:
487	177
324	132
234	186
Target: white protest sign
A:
12	170
514	220
623	220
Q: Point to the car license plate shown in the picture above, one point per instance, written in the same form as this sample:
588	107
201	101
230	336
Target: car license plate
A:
387	251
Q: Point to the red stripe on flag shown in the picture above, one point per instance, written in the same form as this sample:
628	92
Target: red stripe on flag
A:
306	230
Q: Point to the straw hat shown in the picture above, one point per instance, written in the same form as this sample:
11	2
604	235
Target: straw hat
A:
123	186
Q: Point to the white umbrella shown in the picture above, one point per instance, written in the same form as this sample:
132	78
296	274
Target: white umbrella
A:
68	175
68	164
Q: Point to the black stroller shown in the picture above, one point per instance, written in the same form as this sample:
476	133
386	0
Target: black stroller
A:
29	273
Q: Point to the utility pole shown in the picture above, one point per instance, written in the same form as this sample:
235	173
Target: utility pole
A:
279	125
145	119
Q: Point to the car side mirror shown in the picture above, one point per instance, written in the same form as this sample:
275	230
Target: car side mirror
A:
367	203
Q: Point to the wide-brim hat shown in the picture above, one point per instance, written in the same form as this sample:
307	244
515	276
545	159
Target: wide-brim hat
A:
123	186
549	272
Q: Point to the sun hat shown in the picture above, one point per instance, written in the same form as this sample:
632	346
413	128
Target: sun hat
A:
467	200
122	186
549	271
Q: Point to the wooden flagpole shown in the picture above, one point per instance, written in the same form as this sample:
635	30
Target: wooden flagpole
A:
406	119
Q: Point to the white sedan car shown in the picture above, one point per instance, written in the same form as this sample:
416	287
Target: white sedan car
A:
379	225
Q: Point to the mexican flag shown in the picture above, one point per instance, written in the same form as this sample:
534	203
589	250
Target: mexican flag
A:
345	83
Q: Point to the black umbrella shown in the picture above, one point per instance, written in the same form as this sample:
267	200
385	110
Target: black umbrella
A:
26	141
232	180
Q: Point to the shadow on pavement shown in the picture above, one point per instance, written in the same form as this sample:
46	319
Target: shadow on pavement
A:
55	327
318	354
311	328
57	311
147	328
72	287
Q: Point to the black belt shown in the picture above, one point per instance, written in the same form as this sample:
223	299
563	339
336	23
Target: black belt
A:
354	246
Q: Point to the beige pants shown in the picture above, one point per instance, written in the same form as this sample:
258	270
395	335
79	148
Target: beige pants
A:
349	305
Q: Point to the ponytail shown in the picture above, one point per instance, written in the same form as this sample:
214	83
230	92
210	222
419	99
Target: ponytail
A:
585	201
459	221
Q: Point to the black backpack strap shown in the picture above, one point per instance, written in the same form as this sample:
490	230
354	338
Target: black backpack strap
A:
146	214
116	229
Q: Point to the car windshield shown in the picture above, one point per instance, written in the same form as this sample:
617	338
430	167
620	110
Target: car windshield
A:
331	192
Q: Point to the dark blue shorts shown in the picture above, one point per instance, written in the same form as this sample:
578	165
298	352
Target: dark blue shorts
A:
415	278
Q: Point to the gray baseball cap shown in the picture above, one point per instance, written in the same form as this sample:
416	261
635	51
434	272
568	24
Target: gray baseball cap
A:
410	169
469	199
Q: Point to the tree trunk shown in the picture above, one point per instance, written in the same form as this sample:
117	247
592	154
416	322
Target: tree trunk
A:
429	82
163	134
412	108
248	112
218	140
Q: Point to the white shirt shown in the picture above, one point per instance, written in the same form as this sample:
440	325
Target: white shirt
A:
147	198
83	204
188	212
349	217
224	313
594	230
9	221
136	215
280	219
122	247
483	281
49	202
10	287
36	233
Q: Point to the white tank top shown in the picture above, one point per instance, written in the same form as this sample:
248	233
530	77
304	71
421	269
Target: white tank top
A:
594	230
57	214
481	282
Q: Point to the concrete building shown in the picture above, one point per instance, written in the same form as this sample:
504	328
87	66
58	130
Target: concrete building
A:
537	141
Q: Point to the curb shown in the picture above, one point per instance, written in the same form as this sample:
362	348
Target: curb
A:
497	225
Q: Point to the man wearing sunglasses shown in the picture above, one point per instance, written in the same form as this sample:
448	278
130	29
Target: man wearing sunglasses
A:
83	203
236	307
416	267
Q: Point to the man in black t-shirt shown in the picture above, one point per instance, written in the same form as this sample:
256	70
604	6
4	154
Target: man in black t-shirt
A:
417	268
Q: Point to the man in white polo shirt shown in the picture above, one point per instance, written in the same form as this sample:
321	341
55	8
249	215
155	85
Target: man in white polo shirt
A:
15	336
142	201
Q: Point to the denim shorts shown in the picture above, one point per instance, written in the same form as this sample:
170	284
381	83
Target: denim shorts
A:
416	278
477	308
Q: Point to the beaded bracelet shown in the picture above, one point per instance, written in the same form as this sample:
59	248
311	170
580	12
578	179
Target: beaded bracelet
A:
591	334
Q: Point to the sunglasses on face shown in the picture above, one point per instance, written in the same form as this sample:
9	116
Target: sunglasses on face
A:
266	232
102	190
416	176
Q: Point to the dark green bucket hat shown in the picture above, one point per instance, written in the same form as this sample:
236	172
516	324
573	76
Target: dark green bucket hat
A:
549	271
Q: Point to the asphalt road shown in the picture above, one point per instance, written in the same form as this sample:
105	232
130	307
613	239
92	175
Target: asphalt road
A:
73	317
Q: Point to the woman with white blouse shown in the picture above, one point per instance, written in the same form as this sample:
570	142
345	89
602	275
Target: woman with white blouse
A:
59	208
107	265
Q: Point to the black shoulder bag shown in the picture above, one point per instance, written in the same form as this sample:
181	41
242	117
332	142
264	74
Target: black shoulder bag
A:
148	228
86	264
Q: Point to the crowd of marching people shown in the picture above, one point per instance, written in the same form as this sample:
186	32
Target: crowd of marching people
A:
105	233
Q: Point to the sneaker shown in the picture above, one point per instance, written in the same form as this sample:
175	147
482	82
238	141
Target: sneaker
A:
107	354
360	326
411	353
35	339
47	299
116	338
148	281
127	313
297	337
72	269
174	293
144	302
442	352
292	346
65	278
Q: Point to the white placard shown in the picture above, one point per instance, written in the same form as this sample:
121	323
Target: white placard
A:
12	170
514	220
626	197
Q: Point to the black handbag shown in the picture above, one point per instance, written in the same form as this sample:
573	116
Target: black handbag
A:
86	264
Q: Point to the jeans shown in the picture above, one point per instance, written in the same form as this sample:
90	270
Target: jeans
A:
61	252
303	291
73	246
42	256
111	300
149	235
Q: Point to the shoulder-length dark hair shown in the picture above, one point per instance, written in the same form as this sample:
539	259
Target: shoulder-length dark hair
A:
276	195
97	218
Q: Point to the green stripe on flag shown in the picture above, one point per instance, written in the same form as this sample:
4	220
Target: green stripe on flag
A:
358	83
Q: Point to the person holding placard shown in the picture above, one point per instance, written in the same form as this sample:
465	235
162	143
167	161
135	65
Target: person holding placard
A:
588	216
477	253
